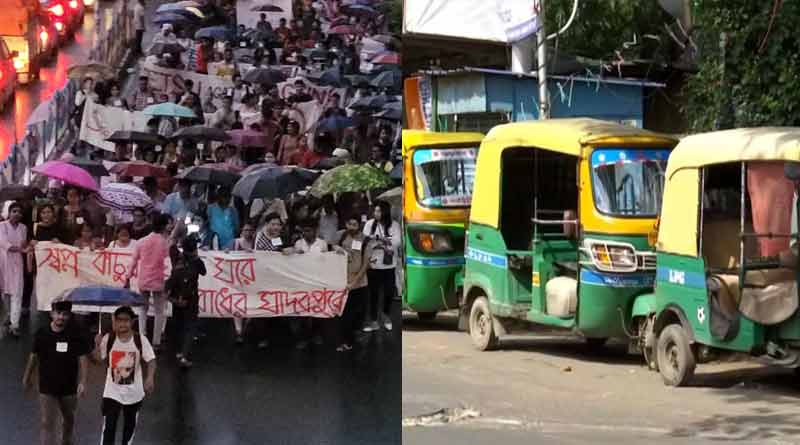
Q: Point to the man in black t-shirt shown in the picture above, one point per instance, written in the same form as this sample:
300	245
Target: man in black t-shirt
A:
60	354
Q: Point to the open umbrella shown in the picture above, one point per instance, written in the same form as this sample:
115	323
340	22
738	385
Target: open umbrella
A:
15	192
136	137
259	166
397	172
95	168
162	47
316	54
388	79
202	133
171	17
329	78
269	76
247	138
335	123
166	7
393	196
273	182
343	29
123	197
386	58
139	168
68	173
350	178
169	109
103	296
95	70
371	103
187	3
215	32
196	12
267	8
358	80
389	114
183	12
358	10
210	174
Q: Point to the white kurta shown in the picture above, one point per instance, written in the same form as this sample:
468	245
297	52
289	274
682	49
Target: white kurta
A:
12	280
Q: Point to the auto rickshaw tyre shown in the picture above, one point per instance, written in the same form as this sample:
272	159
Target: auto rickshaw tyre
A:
427	316
676	360
481	327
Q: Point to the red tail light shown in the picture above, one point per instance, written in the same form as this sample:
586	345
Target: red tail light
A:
43	35
58	10
73	4
59	26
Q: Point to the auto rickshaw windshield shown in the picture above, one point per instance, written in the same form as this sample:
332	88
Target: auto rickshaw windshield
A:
444	177
628	182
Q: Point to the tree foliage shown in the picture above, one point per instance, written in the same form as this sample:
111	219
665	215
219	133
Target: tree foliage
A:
602	27
754	80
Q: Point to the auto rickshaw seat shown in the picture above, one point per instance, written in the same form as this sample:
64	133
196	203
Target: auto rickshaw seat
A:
771	299
721	243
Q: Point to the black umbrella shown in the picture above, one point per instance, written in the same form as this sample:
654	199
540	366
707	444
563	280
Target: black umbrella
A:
372	103
210	175
267	8
331	77
138	137
317	54
274	182
14	192
358	80
161	48
388	79
200	132
264	75
95	168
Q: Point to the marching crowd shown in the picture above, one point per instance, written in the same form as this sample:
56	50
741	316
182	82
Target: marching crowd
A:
186	214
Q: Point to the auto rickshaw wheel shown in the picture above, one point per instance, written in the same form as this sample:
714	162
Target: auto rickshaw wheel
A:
676	361
481	327
427	316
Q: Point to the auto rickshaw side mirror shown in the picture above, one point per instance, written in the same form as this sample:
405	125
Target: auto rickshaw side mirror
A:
792	171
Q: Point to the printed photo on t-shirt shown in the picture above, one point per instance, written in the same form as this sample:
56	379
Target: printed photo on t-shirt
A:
123	367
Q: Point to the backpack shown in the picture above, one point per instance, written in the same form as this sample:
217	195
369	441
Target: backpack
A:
137	340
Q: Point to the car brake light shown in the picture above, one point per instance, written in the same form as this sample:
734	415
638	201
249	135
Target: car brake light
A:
73	4
18	65
88	2
59	26
58	10
43	35
1	74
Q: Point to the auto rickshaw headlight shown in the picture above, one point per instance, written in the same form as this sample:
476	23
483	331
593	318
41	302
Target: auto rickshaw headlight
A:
613	257
433	242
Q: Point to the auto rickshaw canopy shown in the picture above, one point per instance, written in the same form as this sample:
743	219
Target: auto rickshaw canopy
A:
571	136
421	138
678	229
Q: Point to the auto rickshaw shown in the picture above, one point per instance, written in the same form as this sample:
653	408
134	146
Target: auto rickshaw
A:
726	266
438	169
558	232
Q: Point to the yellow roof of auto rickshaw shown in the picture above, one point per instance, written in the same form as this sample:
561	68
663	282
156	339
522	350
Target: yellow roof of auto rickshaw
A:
418	138
741	144
569	135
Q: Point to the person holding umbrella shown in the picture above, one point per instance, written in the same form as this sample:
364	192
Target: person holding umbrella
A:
59	359
125	387
149	257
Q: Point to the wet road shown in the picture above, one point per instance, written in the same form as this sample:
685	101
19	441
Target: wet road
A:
52	78
549	388
240	395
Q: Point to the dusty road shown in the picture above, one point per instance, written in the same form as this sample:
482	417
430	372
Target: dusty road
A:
550	389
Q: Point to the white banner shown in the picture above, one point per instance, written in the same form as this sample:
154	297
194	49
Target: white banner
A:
503	21
249	18
100	122
170	81
259	284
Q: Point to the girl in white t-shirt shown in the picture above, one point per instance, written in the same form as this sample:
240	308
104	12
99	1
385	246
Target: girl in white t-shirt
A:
122	238
386	236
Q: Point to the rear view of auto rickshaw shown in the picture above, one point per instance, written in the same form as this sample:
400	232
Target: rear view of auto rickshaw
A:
727	268
559	225
438	171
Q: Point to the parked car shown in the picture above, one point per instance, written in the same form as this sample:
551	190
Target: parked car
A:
8	76
67	15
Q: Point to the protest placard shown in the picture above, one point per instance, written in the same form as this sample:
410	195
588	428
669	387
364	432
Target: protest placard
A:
169	81
321	94
258	284
100	122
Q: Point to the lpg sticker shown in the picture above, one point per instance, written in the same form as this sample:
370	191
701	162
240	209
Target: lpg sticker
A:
701	314
677	276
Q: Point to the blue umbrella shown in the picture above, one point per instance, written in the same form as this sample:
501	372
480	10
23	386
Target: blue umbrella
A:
335	123
189	15
215	32
168	7
168	109
169	17
96	295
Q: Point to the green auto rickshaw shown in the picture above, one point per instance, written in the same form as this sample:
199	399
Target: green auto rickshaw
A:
561	215
438	170
727	265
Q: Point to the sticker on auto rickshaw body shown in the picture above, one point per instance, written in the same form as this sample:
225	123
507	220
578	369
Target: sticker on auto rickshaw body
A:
535	279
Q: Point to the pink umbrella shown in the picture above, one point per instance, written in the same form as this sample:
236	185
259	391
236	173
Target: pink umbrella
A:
343	29
247	138
68	173
386	58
